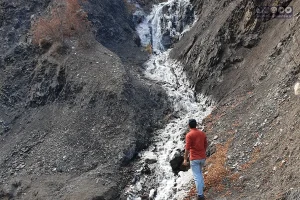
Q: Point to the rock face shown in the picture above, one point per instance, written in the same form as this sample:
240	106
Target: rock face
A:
114	28
217	42
249	66
165	24
184	16
71	118
174	18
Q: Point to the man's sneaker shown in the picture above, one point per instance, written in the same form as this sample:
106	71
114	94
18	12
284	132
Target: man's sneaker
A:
201	197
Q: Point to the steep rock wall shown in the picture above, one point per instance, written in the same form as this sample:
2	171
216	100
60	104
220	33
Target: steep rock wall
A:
249	67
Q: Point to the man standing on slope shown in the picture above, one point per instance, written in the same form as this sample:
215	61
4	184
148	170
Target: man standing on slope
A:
196	144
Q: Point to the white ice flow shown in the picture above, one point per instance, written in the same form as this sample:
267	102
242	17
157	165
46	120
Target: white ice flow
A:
159	20
168	73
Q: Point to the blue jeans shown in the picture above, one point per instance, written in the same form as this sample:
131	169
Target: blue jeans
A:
196	166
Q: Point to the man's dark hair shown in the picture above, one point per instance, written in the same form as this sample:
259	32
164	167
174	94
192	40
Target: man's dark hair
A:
192	123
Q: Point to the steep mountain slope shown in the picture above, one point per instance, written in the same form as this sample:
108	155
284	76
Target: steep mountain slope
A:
249	66
71	117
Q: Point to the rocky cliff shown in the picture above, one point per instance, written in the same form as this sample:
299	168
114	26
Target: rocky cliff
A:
249	64
71	118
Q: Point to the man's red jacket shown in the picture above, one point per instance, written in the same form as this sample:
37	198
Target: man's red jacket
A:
196	143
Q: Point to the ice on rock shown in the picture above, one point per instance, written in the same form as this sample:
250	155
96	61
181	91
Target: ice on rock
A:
168	17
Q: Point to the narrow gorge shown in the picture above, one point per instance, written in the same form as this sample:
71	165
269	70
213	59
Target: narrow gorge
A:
95	97
157	176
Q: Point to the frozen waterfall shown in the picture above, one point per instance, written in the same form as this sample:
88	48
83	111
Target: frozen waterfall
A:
164	26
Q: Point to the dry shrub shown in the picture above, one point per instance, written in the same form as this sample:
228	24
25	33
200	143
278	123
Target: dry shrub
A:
48	28
76	19
66	19
149	49
217	170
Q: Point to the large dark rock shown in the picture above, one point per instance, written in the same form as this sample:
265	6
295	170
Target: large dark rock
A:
177	161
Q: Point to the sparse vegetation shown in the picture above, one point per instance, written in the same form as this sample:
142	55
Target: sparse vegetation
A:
149	49
65	19
216	169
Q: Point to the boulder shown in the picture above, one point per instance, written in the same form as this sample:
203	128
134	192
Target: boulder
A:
176	162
